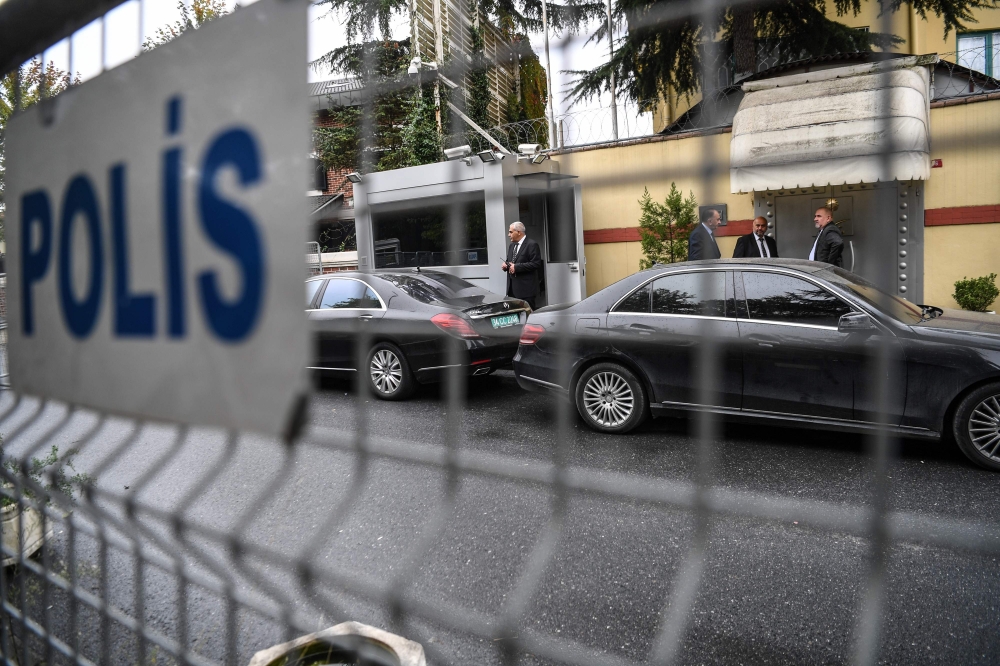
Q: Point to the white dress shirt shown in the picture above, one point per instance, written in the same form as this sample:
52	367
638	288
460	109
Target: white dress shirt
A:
812	252
517	248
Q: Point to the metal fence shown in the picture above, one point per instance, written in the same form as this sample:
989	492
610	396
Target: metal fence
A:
133	571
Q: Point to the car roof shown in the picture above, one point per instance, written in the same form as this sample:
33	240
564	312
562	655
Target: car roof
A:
803	265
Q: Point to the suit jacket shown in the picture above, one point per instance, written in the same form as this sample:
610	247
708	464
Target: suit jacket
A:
830	246
747	246
527	269
702	245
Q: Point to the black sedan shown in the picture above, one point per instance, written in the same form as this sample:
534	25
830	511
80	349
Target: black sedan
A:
794	342
406	321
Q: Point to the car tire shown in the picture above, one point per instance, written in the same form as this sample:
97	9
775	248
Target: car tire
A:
610	398
976	426
388	373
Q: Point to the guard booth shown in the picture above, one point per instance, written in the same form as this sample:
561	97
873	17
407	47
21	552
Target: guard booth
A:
855	139
453	216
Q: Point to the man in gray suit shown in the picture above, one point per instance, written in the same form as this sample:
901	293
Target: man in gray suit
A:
701	242
829	245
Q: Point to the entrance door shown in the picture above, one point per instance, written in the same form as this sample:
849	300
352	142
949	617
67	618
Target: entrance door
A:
565	267
882	225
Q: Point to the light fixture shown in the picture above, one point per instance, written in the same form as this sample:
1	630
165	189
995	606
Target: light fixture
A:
458	152
529	149
488	156
354	177
539	158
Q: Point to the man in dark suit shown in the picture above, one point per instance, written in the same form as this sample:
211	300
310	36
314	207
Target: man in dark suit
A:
756	244
522	266
701	242
829	245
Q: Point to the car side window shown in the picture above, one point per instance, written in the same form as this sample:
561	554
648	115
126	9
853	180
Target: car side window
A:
637	301
311	288
784	298
344	294
702	293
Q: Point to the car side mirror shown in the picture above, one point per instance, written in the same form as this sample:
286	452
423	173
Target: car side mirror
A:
855	321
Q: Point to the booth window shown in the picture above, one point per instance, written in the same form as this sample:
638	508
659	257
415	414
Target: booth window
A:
418	234
980	51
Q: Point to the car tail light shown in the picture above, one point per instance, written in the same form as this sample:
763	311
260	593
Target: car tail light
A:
454	325
530	334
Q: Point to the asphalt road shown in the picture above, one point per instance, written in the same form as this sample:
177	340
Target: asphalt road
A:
771	593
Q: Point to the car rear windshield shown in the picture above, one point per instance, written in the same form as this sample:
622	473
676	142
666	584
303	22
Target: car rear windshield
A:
894	306
437	288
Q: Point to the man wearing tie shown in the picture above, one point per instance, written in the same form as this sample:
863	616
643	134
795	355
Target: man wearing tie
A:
829	243
522	266
701	242
756	244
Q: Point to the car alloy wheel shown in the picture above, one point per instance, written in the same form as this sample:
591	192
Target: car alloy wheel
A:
976	426
386	371
984	428
608	399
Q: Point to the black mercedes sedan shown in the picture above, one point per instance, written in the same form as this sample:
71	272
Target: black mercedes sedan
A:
794	342
406	320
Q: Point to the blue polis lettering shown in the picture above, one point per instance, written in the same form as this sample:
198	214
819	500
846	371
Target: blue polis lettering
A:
229	227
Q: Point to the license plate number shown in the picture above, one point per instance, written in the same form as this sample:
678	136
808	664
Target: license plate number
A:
504	321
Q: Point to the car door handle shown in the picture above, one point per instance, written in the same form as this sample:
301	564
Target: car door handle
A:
765	344
642	328
365	317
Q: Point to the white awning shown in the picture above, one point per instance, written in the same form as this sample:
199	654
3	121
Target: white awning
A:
834	127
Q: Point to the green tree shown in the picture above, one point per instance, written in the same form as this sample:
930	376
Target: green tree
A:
477	81
665	227
533	84
37	81
402	126
200	13
656	56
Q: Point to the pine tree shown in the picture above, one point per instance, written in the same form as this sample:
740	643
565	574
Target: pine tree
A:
664	228
657	57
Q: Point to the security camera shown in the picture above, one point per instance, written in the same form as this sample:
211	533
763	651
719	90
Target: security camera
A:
529	148
414	68
457	152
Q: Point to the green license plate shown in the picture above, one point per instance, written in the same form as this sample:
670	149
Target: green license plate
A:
504	321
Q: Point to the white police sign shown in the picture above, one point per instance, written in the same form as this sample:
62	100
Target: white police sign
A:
155	225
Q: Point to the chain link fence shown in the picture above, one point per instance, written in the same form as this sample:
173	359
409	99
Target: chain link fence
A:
127	541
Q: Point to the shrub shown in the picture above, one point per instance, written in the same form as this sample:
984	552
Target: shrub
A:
976	294
58	480
664	228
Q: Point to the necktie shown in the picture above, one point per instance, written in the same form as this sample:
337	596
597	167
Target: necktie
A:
764	252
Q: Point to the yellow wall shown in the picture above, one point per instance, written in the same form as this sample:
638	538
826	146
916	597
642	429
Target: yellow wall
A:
613	178
955	252
609	262
920	35
965	138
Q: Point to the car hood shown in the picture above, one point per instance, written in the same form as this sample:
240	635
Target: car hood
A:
963	320
975	327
